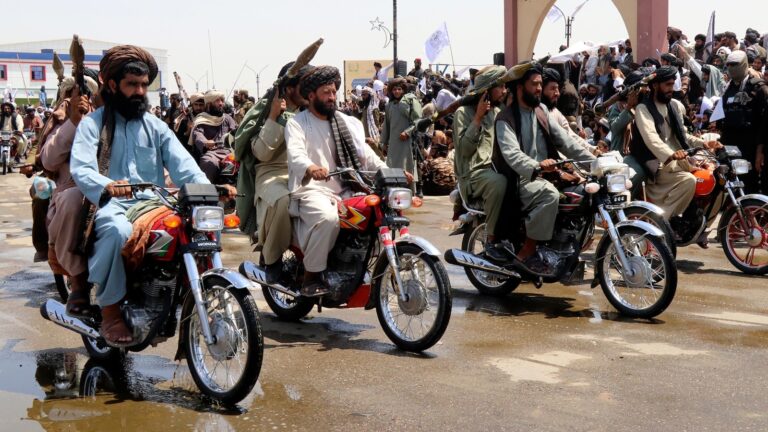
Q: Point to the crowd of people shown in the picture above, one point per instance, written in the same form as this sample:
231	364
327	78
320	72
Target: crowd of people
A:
492	135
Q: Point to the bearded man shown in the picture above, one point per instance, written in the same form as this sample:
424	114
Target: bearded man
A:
118	144
209	134
550	95
11	121
320	140
397	133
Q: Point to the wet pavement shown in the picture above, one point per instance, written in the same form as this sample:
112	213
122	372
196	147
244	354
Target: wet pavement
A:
558	358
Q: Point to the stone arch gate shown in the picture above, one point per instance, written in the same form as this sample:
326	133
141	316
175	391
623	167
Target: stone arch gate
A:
646	22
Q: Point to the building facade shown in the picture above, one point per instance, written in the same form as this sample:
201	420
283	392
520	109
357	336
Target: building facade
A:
26	67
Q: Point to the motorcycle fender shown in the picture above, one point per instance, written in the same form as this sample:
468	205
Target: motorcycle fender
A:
759	197
651	207
233	277
422	243
645	226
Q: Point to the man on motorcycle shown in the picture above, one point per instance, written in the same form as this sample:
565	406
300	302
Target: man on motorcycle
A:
528	140
474	147
261	150
118	144
209	134
11	121
320	140
659	144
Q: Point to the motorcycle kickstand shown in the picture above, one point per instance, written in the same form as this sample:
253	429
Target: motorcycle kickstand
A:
538	282
320	305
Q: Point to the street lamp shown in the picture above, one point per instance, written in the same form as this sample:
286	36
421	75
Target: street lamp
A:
568	20
257	74
390	36
197	81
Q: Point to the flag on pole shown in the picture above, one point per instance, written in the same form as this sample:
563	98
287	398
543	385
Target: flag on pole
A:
436	42
710	36
578	8
554	14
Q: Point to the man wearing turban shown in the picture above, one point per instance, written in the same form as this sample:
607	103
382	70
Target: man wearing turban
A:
209	134
321	139
659	144
397	133
118	144
474	146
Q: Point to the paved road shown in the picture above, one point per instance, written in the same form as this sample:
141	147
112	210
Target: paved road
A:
556	359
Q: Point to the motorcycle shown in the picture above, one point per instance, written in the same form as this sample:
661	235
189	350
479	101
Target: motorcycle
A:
633	264
371	267
220	330
6	151
743	226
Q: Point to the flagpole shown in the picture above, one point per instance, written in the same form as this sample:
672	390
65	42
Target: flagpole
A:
450	48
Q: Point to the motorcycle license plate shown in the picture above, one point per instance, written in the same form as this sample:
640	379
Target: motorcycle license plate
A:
617	199
737	184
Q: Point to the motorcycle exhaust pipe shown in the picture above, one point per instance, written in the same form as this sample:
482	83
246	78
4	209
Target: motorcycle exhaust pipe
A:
466	259
256	274
57	312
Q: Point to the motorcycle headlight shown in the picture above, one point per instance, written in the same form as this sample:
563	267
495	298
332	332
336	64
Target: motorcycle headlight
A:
740	166
399	198
208	218
616	183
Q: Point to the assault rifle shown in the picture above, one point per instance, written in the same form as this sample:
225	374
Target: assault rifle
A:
601	108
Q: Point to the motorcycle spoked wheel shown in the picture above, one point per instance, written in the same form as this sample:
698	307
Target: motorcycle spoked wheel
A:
486	283
651	290
239	348
740	250
5	166
284	306
418	323
657	220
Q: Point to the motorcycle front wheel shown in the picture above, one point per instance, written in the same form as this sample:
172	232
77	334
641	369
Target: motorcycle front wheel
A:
746	247
228	369
418	322
487	283
647	287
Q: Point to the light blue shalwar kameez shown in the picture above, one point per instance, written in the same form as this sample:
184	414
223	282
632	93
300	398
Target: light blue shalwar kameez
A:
140	150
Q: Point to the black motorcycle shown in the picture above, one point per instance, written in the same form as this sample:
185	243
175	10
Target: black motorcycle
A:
633	264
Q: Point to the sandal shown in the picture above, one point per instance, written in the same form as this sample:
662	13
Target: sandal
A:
114	330
79	305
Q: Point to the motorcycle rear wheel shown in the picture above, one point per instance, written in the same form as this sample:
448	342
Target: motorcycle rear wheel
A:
429	296
652	289
234	320
486	283
733	236
657	220
284	306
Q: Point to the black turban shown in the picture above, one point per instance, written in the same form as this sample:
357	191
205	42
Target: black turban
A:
296	78
116	58
550	75
664	73
634	77
317	77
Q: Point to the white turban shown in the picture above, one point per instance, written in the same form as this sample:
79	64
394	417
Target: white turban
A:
68	84
736	57
194	97
378	86
212	95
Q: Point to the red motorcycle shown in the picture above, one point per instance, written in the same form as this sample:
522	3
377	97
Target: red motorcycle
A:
375	263
220	330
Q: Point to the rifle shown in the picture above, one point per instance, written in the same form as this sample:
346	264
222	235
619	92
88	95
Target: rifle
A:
473	97
302	60
601	108
182	91
77	54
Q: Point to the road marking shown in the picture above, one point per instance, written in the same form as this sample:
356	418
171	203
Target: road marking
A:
736	318
543	368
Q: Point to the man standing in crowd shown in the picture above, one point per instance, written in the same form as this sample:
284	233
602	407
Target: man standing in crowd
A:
397	134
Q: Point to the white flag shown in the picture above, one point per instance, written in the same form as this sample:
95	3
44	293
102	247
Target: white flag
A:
436	42
578	8
711	29
554	14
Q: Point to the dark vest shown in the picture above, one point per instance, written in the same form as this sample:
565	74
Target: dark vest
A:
637	146
743	116
511	116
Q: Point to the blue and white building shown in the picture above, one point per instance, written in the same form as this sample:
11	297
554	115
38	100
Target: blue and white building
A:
25	67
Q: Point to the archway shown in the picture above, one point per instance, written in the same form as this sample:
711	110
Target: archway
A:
646	22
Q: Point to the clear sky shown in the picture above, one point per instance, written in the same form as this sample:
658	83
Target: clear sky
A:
271	33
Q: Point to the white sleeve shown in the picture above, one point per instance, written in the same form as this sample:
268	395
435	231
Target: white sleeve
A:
298	159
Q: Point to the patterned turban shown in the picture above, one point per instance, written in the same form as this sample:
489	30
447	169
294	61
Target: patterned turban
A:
318	77
212	95
116	58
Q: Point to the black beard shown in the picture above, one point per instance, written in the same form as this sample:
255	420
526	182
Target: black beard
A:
663	99
548	102
131	108
530	99
324	109
215	112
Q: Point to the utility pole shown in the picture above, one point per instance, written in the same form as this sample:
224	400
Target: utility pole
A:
394	33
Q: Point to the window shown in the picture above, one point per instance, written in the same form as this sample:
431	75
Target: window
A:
3	72
37	73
